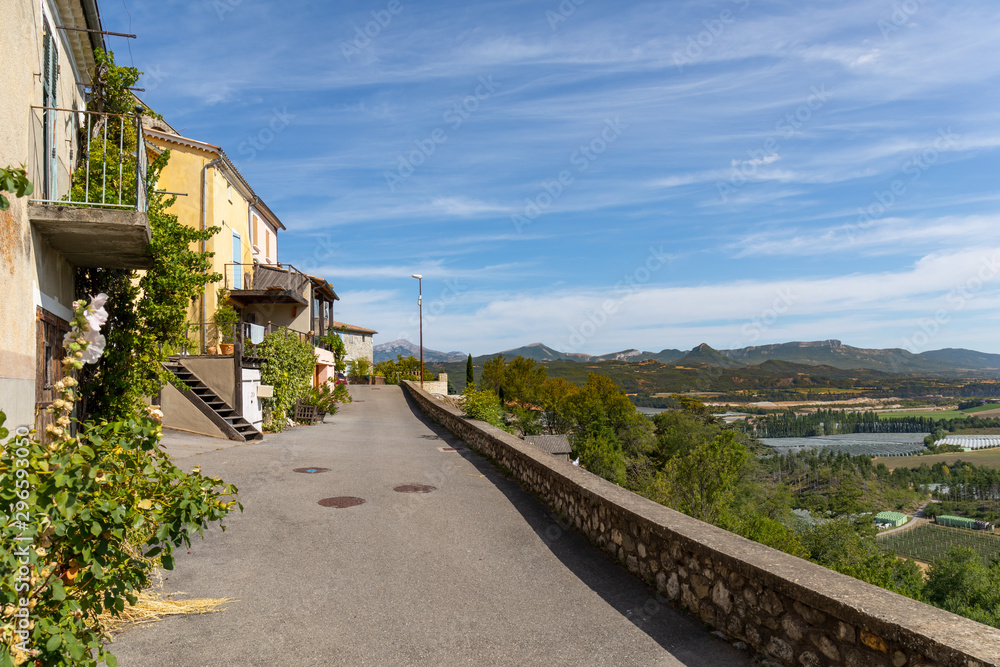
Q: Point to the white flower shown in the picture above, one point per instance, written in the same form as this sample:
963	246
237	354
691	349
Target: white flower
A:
95	314
95	347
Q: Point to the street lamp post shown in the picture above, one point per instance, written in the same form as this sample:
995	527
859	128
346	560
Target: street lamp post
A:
420	304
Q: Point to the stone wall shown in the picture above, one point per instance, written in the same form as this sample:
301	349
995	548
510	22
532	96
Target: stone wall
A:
796	612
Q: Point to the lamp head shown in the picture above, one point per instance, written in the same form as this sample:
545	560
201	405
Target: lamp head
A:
417	276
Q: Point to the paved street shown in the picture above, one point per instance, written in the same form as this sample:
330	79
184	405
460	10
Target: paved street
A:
475	572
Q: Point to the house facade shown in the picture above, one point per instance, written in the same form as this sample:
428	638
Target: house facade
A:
358	341
49	49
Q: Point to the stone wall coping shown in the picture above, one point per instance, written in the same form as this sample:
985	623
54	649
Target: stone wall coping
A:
946	637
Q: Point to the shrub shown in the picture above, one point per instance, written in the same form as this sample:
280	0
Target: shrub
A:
85	516
327	397
484	406
288	367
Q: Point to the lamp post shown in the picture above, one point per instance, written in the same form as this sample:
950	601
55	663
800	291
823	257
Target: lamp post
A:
420	304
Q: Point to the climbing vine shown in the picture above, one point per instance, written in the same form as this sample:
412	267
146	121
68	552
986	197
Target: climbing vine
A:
147	313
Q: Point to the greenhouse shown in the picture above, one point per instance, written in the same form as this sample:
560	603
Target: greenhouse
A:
956	521
855	444
890	518
970	442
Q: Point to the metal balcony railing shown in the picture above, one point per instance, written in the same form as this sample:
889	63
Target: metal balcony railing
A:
201	336
89	158
242	275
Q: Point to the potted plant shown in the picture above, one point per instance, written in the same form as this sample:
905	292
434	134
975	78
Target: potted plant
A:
226	318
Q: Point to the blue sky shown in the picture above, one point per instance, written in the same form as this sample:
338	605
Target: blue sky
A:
600	176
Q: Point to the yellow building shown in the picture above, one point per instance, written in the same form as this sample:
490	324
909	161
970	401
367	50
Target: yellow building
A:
211	192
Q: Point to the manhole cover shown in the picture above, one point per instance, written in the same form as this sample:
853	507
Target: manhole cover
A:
310	470
415	488
342	501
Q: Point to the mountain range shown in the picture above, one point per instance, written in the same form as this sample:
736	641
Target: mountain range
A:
832	353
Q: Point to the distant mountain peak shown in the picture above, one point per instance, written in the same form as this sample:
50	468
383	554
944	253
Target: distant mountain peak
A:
389	351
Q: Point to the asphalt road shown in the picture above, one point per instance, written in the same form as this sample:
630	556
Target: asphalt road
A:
475	572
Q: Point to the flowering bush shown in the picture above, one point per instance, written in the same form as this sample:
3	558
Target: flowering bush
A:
84	517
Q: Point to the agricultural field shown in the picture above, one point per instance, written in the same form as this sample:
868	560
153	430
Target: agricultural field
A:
928	542
934	414
983	457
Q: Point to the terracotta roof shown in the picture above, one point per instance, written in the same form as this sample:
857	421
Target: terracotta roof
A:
352	328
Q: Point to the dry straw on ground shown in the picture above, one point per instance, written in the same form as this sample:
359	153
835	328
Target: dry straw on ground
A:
152	606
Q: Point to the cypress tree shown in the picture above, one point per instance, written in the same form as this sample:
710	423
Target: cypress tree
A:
470	374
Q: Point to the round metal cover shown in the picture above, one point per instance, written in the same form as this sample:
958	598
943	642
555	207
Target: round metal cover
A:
342	501
311	470
415	488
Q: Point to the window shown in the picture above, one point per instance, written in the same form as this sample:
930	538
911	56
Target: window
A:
237	266
50	60
229	193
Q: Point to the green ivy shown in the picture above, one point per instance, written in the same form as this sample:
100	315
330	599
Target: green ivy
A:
288	366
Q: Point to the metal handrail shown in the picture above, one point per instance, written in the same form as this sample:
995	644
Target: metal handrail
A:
88	132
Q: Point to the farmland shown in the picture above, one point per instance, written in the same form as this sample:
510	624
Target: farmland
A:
928	542
984	457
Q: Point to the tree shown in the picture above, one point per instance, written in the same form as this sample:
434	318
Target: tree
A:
470	373
961	583
600	454
703	482
523	379
553	395
492	378
146	314
849	547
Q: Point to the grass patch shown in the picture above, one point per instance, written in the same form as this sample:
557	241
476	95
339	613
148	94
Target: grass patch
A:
982	457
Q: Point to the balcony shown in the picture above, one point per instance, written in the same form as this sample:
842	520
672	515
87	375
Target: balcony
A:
92	196
267	284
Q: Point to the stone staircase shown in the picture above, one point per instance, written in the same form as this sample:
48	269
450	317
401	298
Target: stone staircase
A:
211	404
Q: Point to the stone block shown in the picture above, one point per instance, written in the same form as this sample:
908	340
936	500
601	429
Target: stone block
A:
700	585
689	598
846	633
898	659
874	642
780	649
673	586
809	659
793	627
771	603
721	598
808	614
826	646
734	625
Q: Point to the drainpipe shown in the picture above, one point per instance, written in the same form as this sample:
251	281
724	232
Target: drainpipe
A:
204	245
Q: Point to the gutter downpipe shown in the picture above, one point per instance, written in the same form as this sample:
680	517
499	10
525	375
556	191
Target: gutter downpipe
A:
204	245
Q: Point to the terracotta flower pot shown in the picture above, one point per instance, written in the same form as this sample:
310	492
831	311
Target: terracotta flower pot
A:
227	348
212	349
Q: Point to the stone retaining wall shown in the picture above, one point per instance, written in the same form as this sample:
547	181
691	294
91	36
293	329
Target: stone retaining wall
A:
796	612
